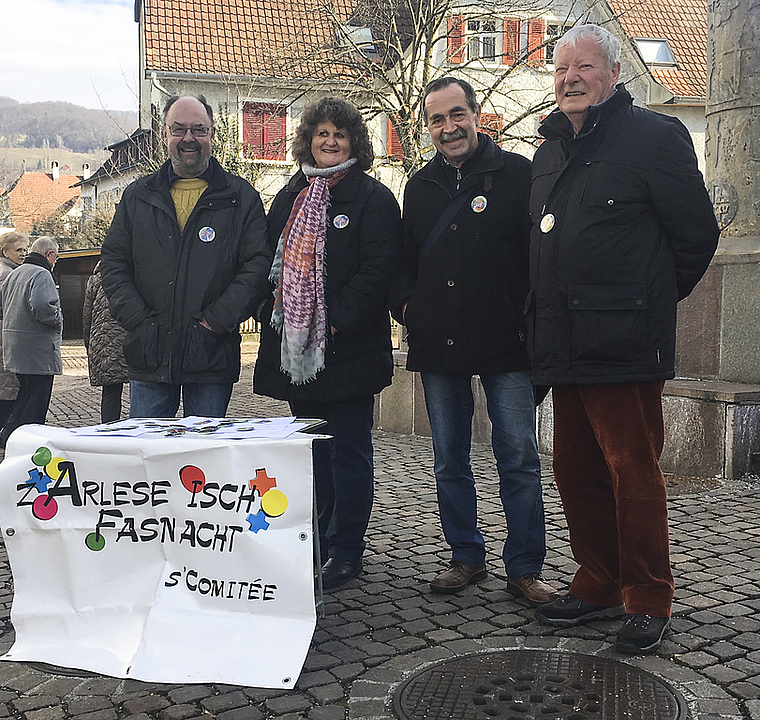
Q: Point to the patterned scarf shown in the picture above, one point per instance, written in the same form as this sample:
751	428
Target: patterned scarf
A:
298	272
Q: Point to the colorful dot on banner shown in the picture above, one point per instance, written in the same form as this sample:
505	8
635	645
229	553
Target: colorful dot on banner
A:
192	478
52	468
42	511
258	522
95	542
262	482
42	456
274	503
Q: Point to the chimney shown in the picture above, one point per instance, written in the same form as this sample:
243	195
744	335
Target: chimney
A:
55	172
86	171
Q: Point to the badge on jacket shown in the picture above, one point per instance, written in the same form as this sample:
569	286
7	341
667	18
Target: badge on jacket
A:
479	204
340	221
547	223
207	234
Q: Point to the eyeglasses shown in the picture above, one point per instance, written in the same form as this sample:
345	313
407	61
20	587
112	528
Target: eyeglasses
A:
181	130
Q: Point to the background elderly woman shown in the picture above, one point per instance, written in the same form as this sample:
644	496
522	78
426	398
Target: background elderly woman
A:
12	254
325	341
104	342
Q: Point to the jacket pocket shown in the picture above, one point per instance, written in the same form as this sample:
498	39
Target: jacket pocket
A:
205	351
607	322
141	346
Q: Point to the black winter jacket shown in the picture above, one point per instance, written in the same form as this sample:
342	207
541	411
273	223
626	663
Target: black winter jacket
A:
466	296
361	257
160	282
628	231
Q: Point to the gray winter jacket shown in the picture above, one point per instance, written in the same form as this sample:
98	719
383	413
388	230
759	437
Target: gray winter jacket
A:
32	319
8	380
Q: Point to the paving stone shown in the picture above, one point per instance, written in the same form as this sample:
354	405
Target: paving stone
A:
288	704
146	704
188	693
49	713
241	713
178	712
327	694
329	712
229	701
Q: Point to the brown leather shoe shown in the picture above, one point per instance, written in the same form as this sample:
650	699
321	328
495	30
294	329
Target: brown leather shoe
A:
532	587
457	577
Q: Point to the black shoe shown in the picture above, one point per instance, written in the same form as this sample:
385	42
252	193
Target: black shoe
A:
338	572
641	634
570	611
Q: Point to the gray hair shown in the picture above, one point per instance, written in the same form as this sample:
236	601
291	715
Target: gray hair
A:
607	42
11	238
43	245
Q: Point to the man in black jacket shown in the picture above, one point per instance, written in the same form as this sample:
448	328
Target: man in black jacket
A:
185	261
623	230
460	293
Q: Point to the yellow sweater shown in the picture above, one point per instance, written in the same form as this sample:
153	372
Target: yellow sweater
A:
185	193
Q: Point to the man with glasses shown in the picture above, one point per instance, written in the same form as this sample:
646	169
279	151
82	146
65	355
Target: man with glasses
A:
32	329
184	263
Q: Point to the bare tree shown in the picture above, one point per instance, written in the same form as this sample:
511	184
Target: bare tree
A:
385	51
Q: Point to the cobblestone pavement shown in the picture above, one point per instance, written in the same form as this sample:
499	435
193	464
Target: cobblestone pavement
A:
382	627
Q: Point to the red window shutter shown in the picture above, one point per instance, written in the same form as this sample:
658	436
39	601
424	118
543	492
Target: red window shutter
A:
394	148
456	39
264	129
491	123
536	37
511	52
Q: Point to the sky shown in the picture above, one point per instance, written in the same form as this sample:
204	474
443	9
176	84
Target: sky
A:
79	51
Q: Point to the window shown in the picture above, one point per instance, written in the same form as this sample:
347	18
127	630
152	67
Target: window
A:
524	37
264	130
491	124
554	31
655	52
455	39
481	40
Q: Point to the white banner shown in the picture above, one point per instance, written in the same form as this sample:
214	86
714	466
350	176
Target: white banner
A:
167	559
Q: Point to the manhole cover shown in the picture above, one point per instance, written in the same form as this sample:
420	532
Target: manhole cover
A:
533	684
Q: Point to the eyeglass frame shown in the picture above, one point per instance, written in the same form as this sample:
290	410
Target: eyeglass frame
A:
179	131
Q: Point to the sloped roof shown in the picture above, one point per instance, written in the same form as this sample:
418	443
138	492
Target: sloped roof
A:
683	23
255	38
37	196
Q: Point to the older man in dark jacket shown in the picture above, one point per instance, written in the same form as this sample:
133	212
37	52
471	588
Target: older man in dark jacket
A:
184	262
624	229
460	293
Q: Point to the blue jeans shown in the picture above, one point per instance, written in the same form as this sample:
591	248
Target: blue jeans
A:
511	408
161	400
343	474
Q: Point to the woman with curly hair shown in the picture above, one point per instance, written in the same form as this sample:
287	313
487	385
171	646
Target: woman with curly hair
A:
325	339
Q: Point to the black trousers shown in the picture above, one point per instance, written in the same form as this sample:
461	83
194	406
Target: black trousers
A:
31	404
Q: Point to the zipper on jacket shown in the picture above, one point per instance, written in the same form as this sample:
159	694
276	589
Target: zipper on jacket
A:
459	177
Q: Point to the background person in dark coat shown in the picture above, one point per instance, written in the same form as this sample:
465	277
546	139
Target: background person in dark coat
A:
104	342
185	261
461	295
623	230
346	359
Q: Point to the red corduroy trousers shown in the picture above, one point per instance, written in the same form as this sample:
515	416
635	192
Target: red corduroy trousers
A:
607	445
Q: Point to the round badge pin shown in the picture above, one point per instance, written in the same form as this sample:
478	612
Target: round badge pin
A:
547	223
479	204
207	234
340	221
